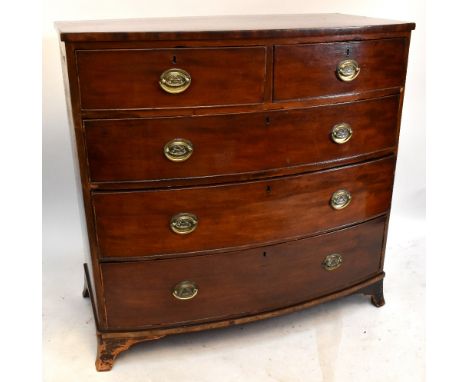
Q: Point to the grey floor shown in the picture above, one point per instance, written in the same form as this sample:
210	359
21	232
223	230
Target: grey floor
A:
345	340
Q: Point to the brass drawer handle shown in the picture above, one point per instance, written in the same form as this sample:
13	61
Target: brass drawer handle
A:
184	223
348	70
341	133
178	150
340	199
332	262
175	81
185	290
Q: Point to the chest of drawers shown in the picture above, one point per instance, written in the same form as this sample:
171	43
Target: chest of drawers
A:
232	168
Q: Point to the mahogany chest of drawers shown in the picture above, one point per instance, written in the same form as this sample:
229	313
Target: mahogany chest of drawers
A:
231	168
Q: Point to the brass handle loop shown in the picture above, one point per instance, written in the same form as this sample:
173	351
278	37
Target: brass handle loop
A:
175	80
348	70
340	199
184	223
178	150
185	290
341	133
332	262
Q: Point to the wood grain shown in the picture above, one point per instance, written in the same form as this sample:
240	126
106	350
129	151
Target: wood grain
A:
137	223
309	70
132	150
139	294
112	343
264	90
225	27
126	79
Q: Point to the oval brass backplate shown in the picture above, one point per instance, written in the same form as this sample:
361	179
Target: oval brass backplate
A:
184	223
175	80
340	199
341	133
332	262
178	150
185	290
348	70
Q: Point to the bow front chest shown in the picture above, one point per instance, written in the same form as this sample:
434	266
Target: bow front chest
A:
231	168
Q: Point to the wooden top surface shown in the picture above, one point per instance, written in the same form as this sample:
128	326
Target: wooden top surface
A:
212	27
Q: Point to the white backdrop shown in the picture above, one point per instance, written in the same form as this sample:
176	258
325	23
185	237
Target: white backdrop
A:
62	237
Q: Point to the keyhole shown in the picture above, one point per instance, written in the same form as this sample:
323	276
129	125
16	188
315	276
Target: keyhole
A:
174	59
267	120
264	254
268	189
347	52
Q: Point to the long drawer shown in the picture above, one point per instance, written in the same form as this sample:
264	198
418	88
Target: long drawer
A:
192	147
166	221
210	287
130	78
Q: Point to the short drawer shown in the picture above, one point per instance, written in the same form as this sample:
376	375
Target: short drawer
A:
165	221
192	147
140	294
312	70
130	78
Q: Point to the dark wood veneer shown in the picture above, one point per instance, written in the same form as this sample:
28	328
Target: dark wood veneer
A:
132	150
227	27
137	223
112	342
239	283
263	98
304	71
126	79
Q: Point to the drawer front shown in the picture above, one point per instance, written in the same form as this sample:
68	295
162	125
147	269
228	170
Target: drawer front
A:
133	150
145	223
303	71
130	79
139	294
